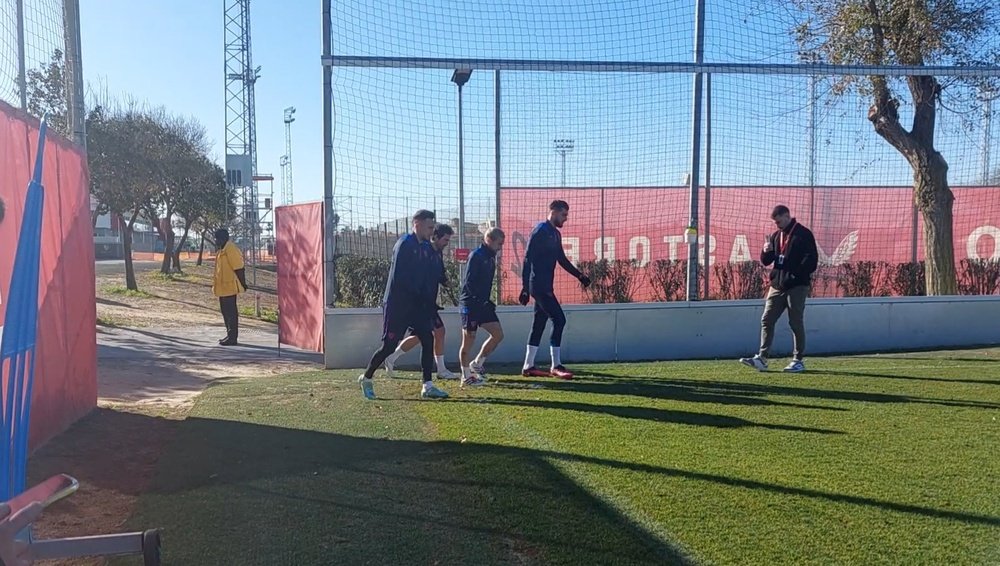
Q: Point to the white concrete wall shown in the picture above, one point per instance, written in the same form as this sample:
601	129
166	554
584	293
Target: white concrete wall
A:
714	329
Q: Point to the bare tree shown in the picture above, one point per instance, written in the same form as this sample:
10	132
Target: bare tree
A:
207	195
178	162
120	142
912	33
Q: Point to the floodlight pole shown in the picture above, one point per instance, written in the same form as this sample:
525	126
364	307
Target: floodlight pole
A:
563	147
460	77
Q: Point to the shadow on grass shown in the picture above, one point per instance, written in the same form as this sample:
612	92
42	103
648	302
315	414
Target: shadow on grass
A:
913	378
238	493
649	414
109	302
622	384
675	391
231	492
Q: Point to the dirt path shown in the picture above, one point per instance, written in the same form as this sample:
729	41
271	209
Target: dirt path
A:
157	350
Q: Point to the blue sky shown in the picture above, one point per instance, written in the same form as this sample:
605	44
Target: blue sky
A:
171	54
395	138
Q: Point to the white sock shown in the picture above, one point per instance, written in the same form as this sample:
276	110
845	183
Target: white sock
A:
395	355
529	358
467	372
440	364
556	360
480	361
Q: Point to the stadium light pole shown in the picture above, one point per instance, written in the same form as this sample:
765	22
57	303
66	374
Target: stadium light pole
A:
460	77
564	146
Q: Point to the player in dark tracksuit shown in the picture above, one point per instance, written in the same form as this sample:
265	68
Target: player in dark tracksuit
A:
410	303
543	251
477	309
439	241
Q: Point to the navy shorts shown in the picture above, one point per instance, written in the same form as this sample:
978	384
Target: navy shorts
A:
398	319
474	317
437	324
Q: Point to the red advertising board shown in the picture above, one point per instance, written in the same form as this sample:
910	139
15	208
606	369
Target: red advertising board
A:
299	252
646	224
65	386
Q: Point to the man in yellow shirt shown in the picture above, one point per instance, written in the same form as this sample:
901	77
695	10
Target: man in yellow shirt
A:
230	280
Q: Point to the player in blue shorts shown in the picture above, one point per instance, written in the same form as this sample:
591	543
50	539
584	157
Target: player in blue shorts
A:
478	311
440	240
543	251
410	303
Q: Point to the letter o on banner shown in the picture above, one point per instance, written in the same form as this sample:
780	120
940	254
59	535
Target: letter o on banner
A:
972	245
633	250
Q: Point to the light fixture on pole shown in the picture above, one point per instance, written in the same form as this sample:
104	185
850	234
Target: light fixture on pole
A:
564	146
460	77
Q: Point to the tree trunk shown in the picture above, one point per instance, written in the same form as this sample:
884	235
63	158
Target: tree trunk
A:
931	194
130	282
934	200
201	250
167	233
180	245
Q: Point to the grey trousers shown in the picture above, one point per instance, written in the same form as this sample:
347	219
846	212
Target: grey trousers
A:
793	300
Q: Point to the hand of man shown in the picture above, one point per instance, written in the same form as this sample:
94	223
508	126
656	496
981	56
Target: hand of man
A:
585	281
767	246
523	298
15	552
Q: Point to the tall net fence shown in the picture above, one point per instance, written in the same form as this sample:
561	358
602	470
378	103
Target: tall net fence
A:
36	40
615	142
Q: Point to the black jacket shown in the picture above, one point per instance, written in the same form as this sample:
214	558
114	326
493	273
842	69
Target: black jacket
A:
800	257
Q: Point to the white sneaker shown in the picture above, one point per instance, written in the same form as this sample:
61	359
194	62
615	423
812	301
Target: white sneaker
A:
758	363
796	366
472	381
478	370
389	369
447	375
429	391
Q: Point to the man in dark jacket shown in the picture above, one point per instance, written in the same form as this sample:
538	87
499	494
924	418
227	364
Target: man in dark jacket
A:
410	303
792	251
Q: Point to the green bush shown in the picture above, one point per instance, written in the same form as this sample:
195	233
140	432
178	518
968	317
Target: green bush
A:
361	281
979	277
743	280
611	281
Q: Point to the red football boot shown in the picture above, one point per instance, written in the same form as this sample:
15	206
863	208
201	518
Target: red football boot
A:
561	372
534	372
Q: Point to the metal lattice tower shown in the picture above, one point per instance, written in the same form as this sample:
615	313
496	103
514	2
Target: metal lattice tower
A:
287	194
241	128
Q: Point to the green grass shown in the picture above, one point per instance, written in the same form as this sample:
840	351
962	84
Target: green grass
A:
266	314
865	460
174	276
126	292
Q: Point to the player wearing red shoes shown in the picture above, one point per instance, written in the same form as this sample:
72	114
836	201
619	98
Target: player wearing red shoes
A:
543	252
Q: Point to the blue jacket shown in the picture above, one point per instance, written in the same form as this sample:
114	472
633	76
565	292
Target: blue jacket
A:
544	250
479	274
413	275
